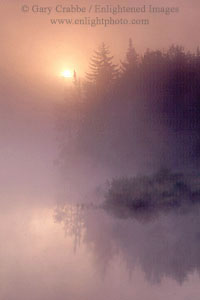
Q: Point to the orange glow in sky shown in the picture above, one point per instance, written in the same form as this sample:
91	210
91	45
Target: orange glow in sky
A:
67	74
36	54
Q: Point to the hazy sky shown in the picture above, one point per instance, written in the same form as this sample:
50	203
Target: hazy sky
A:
34	50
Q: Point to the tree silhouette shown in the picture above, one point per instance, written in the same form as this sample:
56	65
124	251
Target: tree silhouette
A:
102	69
131	62
129	121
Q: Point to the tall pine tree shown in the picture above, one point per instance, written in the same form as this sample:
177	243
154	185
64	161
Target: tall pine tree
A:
102	69
131	62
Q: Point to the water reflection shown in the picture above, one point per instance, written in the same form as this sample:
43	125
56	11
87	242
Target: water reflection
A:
72	218
38	259
162	245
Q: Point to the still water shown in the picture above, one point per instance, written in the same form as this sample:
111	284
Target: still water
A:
63	251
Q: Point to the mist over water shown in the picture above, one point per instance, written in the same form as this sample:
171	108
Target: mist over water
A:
28	143
164	246
51	251
54	248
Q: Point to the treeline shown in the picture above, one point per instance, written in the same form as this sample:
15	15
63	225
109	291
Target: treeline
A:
138	114
159	192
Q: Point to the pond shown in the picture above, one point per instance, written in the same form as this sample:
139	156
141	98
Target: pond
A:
66	251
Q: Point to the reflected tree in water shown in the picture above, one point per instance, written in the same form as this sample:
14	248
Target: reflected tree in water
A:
165	246
71	216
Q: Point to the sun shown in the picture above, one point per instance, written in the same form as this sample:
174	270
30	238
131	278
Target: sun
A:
67	74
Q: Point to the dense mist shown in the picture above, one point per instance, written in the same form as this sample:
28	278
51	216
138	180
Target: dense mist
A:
132	118
28	142
99	150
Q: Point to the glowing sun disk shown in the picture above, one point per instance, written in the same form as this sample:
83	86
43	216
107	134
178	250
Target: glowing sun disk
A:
67	74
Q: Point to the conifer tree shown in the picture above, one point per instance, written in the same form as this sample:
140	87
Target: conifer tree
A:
131	61
198	52
102	69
